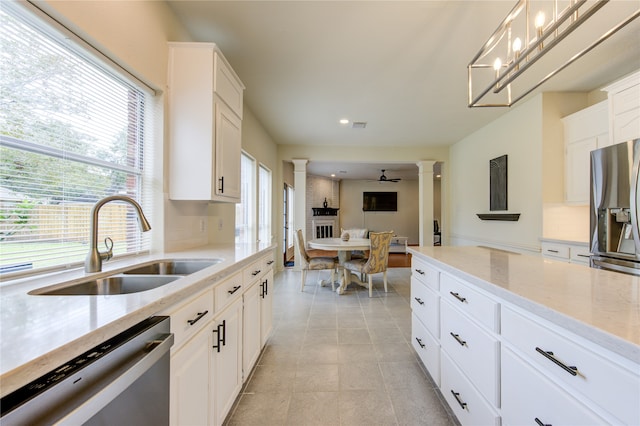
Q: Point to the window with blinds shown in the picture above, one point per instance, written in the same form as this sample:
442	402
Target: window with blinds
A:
264	204
72	131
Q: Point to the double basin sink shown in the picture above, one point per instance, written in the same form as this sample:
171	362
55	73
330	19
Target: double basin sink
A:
136	279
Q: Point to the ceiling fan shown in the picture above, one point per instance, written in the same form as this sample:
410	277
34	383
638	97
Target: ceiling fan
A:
383	178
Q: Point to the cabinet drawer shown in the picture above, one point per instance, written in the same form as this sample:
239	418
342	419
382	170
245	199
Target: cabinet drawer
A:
579	254
465	401
474	350
187	319
612	386
480	307
425	305
425	273
227	291
528	396
254	271
427	348
269	260
556	251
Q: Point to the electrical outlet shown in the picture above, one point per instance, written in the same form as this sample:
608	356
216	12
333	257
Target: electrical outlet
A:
219	224
202	227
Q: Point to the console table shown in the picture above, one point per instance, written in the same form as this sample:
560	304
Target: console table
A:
398	245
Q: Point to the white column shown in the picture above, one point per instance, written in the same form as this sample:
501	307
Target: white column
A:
300	202
425	201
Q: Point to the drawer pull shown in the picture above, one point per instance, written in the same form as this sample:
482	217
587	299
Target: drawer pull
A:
458	339
269	263
540	422
419	300
456	395
457	296
549	355
254	273
420	271
553	251
198	318
236	288
422	345
584	255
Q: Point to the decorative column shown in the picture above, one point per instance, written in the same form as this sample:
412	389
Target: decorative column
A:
300	202
425	201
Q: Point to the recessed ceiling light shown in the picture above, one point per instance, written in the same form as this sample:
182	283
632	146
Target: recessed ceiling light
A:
344	121
333	175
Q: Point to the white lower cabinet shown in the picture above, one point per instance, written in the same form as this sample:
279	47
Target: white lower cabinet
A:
465	401
227	359
266	307
191	402
217	344
251	322
427	348
528	397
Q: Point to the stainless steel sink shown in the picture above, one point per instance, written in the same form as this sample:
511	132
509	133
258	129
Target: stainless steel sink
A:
173	267
117	284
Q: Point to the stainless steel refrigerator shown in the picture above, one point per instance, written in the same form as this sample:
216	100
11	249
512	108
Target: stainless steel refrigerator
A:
615	237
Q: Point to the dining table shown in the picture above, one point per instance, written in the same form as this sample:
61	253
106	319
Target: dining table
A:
344	249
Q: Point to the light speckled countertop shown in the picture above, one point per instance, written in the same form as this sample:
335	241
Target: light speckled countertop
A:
39	333
601	306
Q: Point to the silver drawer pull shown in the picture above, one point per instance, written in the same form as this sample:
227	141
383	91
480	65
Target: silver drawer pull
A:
420	271
549	355
458	339
456	395
422	345
540	422
198	318
457	296
419	300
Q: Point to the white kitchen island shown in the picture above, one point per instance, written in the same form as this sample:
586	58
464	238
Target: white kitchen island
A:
519	339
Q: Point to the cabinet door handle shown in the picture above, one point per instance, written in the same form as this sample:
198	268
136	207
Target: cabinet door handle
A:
265	288
236	288
419	300
256	272
458	339
457	296
540	422
422	345
198	318
221	187
456	395
224	332
217	345
549	355
421	272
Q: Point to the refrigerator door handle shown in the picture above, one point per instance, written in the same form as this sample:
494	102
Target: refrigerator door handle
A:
634	196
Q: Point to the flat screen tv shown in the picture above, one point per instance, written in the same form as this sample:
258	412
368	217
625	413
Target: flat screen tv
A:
379	201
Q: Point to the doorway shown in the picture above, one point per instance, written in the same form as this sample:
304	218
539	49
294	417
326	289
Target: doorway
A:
288	249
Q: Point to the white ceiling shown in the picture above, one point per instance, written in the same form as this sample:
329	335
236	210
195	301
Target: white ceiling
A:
399	66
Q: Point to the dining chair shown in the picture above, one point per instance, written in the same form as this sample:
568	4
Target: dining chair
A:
377	262
314	263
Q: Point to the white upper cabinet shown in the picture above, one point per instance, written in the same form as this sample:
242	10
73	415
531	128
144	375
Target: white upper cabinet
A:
584	131
205	122
624	108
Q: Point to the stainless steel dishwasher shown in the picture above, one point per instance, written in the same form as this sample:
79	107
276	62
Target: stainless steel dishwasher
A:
123	381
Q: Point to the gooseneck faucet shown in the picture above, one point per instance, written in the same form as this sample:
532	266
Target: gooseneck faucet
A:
93	262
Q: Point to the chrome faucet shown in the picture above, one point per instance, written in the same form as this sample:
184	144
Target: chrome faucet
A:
93	262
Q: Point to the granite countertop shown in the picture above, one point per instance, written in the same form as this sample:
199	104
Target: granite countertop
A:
39	333
601	306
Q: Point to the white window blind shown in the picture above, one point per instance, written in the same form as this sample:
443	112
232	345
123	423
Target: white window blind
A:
245	209
71	132
264	204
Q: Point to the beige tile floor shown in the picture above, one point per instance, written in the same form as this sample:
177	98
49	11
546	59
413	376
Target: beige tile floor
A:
340	360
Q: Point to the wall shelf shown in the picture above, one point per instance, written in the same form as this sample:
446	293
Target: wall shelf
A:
511	217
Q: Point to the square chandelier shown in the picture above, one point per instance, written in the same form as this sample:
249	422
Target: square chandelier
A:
527	33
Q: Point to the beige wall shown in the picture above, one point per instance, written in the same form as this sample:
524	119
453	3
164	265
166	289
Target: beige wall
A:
404	222
532	137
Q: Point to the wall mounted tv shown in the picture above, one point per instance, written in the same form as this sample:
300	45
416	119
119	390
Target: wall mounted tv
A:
380	201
